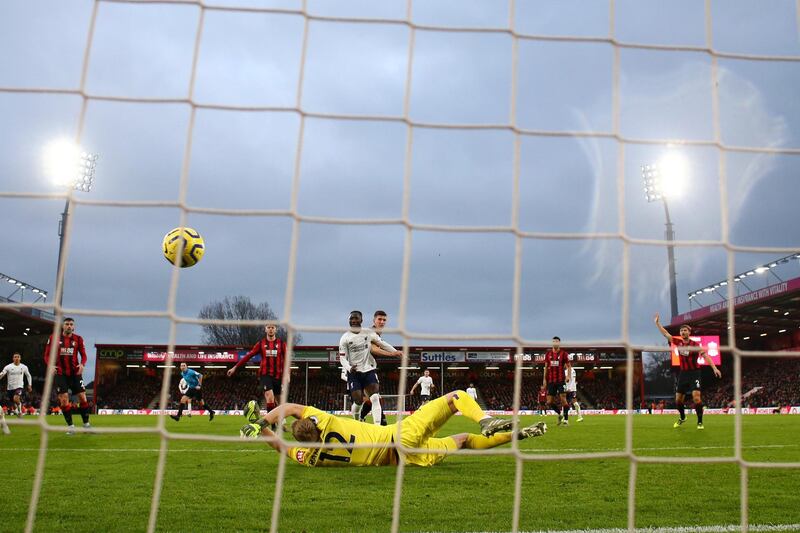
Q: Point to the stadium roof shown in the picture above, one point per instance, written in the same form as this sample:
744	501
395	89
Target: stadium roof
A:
763	312
25	322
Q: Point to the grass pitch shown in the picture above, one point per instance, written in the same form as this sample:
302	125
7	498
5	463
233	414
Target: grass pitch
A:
105	482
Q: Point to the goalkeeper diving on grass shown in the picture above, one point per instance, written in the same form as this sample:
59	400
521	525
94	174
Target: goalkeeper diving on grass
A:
417	431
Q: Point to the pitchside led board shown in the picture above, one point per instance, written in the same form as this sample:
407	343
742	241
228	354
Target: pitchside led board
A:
710	344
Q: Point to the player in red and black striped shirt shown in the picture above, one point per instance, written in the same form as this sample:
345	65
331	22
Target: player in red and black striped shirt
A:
273	354
689	377
70	360
556	361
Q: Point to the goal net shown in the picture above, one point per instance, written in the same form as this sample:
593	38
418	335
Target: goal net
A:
490	152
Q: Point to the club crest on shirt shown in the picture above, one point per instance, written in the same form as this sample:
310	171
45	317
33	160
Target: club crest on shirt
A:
300	455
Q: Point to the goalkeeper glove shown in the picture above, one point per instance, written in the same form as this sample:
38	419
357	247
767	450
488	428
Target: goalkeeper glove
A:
250	431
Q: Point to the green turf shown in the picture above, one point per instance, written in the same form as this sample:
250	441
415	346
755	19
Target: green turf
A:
105	482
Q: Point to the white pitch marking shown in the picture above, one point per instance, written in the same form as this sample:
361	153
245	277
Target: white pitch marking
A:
733	528
111	450
660	448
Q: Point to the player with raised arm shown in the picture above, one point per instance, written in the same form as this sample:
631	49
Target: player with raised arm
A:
273	354
417	431
425	383
68	370
356	358
194	380
572	391
689	376
16	372
556	364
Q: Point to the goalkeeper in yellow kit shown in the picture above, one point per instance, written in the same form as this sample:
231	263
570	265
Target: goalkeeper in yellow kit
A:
417	431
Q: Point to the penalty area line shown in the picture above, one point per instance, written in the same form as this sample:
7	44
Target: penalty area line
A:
147	450
248	449
732	528
662	448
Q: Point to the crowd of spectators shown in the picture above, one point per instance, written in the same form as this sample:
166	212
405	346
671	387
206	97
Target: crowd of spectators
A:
769	383
326	390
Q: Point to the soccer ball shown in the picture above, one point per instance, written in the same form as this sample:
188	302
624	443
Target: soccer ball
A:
183	386
252	411
193	246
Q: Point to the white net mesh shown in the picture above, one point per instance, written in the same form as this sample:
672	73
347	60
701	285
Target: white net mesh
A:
513	229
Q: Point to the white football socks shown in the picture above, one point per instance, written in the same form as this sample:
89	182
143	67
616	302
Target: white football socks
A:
577	407
356	410
377	410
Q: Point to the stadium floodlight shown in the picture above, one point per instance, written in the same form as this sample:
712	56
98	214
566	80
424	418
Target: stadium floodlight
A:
18	286
663	180
70	167
761	269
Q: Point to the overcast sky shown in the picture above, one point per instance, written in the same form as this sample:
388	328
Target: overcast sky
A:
459	282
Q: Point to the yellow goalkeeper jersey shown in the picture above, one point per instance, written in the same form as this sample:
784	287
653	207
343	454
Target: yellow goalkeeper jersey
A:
336	429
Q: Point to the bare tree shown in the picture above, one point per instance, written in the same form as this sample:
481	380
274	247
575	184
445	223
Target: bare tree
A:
238	308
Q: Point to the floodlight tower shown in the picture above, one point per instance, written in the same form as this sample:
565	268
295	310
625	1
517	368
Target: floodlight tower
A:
663	180
70	168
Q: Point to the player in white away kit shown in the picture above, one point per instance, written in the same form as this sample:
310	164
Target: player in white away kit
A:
425	383
572	390
356	359
16	372
378	323
472	391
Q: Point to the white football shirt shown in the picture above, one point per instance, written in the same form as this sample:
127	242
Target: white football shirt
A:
15	374
354	350
425	384
472	392
572	383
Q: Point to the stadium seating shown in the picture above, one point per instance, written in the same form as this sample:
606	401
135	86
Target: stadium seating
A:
768	382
